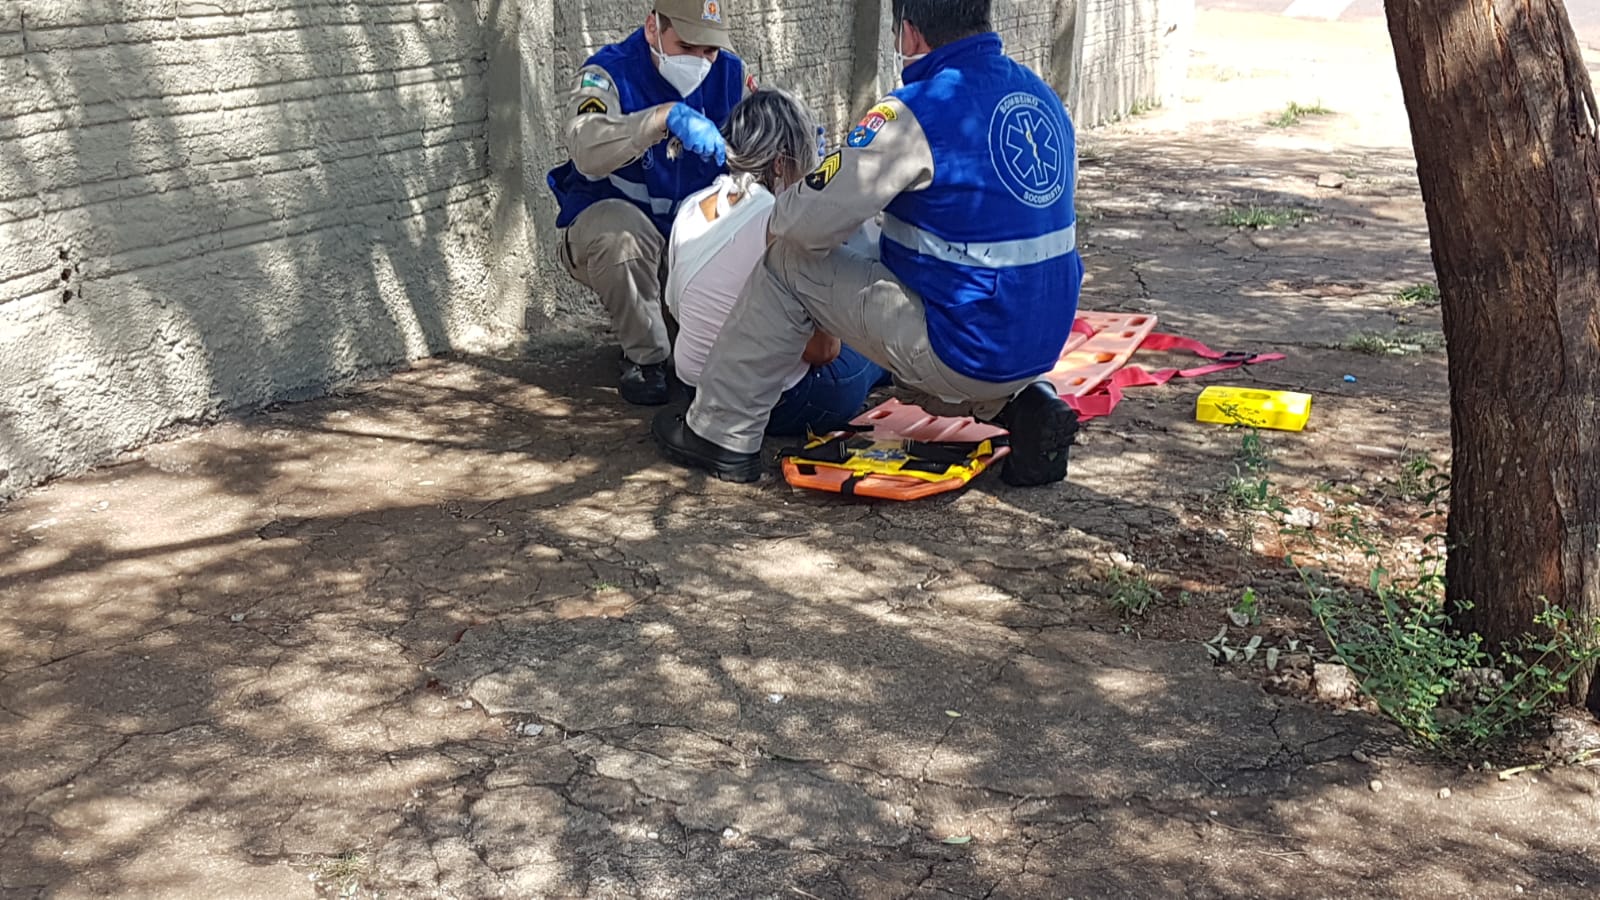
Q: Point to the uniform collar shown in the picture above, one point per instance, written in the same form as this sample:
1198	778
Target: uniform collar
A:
986	44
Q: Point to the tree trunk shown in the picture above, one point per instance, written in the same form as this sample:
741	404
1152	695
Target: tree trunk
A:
1503	120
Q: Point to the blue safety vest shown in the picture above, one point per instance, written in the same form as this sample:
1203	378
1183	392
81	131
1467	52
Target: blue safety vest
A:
991	244
652	182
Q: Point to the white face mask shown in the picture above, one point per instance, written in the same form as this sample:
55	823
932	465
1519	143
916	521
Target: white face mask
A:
684	72
900	59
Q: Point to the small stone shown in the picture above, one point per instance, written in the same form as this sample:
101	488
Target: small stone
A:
1360	757
1335	683
532	729
1300	517
774	698
465	704
1330	180
729	834
1519	888
1375	785
654	835
236	617
1444	793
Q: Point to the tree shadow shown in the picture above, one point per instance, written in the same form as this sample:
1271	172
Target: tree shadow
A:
254	657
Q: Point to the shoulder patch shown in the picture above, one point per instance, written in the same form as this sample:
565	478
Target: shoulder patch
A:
870	125
591	105
824	173
595	81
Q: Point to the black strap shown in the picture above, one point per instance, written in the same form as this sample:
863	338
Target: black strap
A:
925	456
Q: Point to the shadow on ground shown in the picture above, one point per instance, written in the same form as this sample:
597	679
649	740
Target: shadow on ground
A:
326	630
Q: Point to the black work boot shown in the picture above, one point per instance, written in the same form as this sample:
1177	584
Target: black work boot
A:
1043	427
643	385
681	445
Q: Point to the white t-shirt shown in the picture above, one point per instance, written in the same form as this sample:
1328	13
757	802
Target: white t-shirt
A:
708	264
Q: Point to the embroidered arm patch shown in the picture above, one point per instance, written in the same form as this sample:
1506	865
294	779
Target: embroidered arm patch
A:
824	173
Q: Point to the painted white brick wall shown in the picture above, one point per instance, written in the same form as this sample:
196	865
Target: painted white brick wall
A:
205	206
1129	53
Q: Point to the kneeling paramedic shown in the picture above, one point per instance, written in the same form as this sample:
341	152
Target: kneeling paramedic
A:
972	164
674	77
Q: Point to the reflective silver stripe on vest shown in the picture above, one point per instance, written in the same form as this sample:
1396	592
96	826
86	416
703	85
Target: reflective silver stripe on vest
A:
640	194
996	255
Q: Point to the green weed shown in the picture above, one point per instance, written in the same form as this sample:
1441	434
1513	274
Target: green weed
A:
1295	112
1262	217
1419	480
1248	610
1250	486
1131	595
344	874
1438	684
1396	343
1418	295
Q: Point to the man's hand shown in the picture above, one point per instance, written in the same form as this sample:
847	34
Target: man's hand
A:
823	348
697	132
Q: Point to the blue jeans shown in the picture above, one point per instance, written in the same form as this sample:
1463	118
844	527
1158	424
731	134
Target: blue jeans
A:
829	396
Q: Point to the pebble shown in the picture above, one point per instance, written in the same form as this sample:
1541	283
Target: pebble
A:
774	698
1444	793
236	617
532	729
654	835
1375	785
465	704
729	834
1360	757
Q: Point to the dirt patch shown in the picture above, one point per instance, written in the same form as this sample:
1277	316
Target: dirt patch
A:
462	633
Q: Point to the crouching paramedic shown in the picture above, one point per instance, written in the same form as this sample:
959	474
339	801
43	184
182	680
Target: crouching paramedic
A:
674	77
972	164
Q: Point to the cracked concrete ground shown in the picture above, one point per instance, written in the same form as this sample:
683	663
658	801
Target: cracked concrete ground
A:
462	629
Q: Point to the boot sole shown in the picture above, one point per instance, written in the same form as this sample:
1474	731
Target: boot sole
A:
1048	464
742	473
645	397
747	472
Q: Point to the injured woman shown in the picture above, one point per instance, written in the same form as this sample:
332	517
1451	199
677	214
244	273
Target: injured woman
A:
720	236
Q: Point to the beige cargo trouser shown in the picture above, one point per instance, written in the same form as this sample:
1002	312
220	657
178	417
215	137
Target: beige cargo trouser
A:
848	295
615	250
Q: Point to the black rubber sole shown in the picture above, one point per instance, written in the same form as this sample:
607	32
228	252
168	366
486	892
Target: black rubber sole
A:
746	471
1043	429
641	395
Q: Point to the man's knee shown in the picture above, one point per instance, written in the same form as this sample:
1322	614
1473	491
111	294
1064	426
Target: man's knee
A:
618	234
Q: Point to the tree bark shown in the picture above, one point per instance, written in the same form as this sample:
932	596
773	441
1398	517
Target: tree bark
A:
1503	120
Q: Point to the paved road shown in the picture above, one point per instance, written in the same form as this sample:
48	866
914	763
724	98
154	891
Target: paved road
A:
1585	14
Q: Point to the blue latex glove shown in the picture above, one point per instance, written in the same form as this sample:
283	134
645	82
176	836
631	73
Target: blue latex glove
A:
698	135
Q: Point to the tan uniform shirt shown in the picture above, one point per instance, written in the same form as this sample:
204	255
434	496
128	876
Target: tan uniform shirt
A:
854	184
602	138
